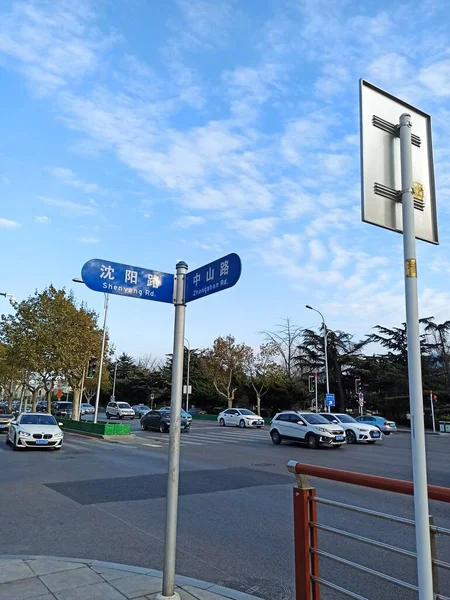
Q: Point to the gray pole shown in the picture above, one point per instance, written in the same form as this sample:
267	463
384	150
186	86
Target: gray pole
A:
168	590
187	376
316	391
82	392
114	381
99	385
432	411
423	545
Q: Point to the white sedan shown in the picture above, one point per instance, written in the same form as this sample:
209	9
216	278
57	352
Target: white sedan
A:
240	417
35	430
354	430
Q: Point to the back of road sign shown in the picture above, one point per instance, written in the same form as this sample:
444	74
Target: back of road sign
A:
380	163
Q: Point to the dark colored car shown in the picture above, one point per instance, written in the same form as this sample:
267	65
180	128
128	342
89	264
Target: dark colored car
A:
6	418
63	409
160	421
41	406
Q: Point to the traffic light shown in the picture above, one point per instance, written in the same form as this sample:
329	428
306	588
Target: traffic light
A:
312	383
358	386
92	366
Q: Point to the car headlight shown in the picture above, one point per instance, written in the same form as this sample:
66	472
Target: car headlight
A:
363	430
323	430
24	434
58	435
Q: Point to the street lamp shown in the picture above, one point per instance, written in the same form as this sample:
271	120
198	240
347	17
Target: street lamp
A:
187	373
325	335
97	396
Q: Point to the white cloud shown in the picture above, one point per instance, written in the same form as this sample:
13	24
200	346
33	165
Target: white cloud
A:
254	228
69	207
437	78
390	67
317	250
189	221
42	220
88	239
8	224
68	177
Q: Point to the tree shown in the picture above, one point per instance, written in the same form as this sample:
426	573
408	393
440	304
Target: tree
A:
52	336
263	371
225	364
440	332
284	343
342	352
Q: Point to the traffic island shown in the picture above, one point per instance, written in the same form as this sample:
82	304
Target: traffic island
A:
102	430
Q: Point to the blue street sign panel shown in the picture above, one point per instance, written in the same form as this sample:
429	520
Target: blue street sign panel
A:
329	400
219	275
125	280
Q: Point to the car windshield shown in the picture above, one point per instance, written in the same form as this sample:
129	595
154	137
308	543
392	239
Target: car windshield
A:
86	405
65	405
4	410
123	405
184	413
37	420
245	411
346	419
315	419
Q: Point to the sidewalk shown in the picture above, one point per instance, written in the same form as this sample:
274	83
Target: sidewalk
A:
54	578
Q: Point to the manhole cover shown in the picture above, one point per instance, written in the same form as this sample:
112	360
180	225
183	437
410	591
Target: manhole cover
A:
263	464
261	588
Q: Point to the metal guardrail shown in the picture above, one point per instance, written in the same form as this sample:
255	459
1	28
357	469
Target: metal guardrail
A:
307	579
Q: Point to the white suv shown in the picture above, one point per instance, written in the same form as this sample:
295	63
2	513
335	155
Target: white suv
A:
120	410
309	428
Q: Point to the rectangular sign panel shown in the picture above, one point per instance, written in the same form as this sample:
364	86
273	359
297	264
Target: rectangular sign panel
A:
214	277
380	163
126	280
329	400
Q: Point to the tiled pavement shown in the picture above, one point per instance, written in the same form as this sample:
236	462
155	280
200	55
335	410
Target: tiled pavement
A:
53	578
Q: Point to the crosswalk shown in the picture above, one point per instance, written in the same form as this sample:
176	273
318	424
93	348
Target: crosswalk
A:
209	437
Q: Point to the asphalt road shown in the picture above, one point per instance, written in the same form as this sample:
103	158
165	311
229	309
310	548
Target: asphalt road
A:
106	501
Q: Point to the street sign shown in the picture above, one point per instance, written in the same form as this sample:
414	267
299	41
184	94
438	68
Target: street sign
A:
329	400
214	277
126	280
380	161
152	396
112	398
59	393
187	389
361	397
361	403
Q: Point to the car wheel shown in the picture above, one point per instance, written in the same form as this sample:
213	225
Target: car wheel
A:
7	441
242	424
276	437
132	418
350	436
143	427
162	427
15	446
386	432
108	416
119	417
222	422
311	442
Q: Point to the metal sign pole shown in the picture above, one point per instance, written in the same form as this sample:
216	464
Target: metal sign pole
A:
423	545
432	411
173	471
315	390
100	368
81	393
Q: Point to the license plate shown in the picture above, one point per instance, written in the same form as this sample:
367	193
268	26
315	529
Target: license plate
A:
2	426
376	434
339	438
42	442
259	422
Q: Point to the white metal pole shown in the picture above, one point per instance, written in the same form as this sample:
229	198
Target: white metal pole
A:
316	391
99	385
325	335
168	589
187	378
423	545
81	393
432	411
114	380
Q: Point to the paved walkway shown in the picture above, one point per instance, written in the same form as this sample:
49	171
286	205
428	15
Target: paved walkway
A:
53	578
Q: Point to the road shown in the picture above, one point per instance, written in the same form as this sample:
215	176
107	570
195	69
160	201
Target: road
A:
105	500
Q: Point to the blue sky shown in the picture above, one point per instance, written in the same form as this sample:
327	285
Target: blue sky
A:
149	132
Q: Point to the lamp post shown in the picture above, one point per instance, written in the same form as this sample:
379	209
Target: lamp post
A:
325	334
97	396
187	373
114	380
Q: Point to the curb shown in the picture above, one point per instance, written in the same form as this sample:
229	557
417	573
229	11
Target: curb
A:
180	580
100	436
426	432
